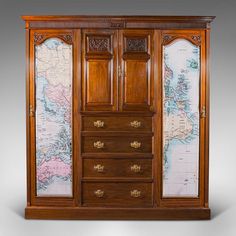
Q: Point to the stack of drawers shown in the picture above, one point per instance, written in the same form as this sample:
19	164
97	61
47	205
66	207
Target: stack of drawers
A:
117	161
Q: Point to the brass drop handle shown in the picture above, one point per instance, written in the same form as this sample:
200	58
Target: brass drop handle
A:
135	193
99	193
135	144
98	144
98	124
135	124
135	168
99	168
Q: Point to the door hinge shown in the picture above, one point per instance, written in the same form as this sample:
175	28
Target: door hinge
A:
31	111
119	71
203	112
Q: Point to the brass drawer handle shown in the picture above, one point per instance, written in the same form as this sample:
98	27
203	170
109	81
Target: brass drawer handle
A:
135	193
135	168
99	168
135	144
98	124
99	193
135	124
98	144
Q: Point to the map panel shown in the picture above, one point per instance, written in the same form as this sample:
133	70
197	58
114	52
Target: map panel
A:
53	83
181	71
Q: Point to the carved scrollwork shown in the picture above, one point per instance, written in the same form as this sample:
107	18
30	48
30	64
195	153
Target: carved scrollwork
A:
167	38
39	38
196	38
67	38
136	44
99	44
117	24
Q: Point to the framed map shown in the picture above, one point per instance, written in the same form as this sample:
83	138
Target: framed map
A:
53	83
181	82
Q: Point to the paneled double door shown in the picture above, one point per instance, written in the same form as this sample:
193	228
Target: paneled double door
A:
117	72
117	118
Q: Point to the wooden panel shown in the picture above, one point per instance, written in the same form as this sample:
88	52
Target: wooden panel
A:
136	71
99	85
135	82
117	144
92	213
119	194
142	22
120	168
123	123
98	82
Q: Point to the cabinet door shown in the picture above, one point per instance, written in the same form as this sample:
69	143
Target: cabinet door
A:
183	124
99	70
51	80
136	70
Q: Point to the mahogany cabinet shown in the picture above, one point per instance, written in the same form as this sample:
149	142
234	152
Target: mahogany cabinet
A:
117	117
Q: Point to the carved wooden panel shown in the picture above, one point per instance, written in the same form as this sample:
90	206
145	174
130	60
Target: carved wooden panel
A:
195	38
97	43
136	70
40	37
99	70
136	44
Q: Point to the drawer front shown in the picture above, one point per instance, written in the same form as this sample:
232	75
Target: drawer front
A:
136	168
117	194
120	123
138	144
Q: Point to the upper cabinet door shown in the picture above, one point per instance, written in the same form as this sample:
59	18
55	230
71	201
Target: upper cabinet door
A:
99	70
136	70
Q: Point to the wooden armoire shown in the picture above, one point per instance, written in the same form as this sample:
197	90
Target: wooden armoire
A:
117	117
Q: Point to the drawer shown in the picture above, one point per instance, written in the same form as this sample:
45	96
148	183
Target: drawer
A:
139	144
117	194
136	168
120	123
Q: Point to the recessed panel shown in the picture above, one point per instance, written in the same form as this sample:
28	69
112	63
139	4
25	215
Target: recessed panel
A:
181	78
53	84
136	44
136	82
99	82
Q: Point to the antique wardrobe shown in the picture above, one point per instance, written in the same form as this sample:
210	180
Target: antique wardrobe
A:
117	117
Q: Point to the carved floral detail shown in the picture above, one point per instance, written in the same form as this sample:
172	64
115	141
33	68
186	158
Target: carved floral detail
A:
39	38
67	38
117	24
136	44
99	44
167	38
196	38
